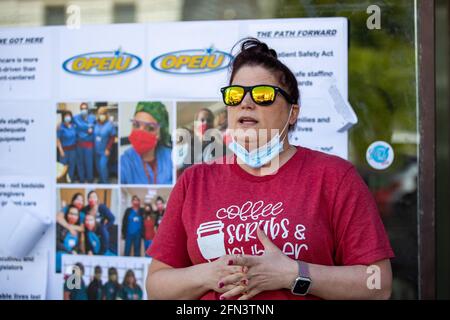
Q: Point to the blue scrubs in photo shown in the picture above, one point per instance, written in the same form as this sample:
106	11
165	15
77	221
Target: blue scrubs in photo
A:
128	293
132	167
133	233
103	133
103	214
111	290
85	147
67	135
77	293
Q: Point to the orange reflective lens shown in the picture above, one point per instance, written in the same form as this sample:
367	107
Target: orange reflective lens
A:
232	96
262	94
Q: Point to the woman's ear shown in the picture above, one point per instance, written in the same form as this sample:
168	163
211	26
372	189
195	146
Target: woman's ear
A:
294	114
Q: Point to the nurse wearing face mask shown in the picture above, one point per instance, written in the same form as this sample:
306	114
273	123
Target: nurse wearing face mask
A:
104	133
149	160
92	236
274	221
112	288
67	142
85	144
67	242
104	220
78	202
130	289
132	227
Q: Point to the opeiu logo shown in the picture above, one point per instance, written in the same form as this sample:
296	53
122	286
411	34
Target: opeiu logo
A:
102	63
192	61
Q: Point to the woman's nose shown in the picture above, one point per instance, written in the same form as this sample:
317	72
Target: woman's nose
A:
247	102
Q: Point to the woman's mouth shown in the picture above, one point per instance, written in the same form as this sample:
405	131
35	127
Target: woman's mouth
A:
247	121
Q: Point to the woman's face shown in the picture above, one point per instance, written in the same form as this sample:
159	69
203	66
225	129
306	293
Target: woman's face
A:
159	205
78	201
201	123
102	117
90	222
93	199
143	121
250	117
72	216
130	279
136	202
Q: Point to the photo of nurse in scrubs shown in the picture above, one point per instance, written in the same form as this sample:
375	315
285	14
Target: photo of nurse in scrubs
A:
87	144
104	136
146	144
66	143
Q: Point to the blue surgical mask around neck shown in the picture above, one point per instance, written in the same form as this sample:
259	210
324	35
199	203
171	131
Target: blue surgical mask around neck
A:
263	154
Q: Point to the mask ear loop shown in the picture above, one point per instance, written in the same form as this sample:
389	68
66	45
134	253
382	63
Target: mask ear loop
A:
287	122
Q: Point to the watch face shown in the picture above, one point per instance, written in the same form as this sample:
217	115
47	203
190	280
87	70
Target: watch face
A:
301	286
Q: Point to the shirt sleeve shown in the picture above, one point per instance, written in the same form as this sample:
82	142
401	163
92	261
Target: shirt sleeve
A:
360	237
170	243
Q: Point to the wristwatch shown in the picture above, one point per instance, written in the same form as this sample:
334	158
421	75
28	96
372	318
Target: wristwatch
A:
301	285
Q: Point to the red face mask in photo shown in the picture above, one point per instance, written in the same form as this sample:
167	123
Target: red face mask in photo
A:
92	203
143	141
78	205
202	128
90	224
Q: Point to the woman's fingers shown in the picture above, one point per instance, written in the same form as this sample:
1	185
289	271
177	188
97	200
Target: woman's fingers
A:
248	294
225	289
231	279
237	290
233	269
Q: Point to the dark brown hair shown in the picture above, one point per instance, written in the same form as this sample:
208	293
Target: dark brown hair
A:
256	53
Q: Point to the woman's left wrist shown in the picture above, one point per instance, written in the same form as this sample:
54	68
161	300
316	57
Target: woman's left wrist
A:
291	274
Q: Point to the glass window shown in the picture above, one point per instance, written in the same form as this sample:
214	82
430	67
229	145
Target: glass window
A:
382	91
124	13
55	15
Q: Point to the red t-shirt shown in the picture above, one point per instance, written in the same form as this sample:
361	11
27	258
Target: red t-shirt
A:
316	208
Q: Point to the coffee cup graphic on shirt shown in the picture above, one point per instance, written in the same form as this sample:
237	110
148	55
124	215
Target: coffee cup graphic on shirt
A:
211	239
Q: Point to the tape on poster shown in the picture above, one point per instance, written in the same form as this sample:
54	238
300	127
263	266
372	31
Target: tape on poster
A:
346	115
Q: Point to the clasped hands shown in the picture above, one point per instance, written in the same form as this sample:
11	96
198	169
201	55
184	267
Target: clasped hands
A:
245	276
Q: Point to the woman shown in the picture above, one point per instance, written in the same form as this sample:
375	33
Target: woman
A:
160	210
104	133
112	288
66	242
92	236
206	143
67	143
130	289
149	227
149	160
85	123
284	222
95	288
132	227
78	202
78	292
104	219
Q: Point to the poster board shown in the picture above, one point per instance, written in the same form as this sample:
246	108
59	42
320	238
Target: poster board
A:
49	69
